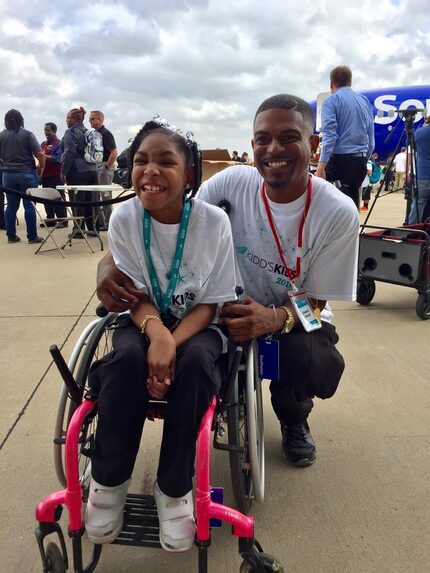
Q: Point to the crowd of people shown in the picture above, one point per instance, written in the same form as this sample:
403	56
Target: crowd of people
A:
82	157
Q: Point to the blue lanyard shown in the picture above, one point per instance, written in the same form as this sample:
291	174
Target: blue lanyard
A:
164	302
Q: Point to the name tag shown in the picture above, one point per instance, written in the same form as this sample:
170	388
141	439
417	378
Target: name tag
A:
268	358
300	302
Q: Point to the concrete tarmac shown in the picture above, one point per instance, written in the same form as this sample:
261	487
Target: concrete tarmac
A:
361	508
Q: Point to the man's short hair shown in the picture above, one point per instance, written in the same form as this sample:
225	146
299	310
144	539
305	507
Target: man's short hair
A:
98	114
341	76
287	101
51	126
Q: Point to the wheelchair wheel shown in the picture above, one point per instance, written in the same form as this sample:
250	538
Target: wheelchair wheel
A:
94	342
269	562
54	559
246	429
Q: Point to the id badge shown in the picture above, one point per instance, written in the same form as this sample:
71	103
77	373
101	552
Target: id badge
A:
268	358
304	311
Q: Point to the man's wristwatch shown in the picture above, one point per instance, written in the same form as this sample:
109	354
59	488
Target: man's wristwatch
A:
289	321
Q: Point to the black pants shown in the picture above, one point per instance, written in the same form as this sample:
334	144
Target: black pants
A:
119	380
2	221
366	193
87	178
310	365
53	211
350	171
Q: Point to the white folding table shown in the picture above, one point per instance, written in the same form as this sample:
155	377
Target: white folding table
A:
92	189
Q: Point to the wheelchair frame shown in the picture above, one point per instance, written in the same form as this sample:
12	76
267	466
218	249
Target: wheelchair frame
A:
74	434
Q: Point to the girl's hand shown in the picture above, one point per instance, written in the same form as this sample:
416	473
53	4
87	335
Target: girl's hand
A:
161	358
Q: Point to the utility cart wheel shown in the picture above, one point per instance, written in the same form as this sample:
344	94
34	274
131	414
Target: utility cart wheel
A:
423	306
54	559
365	291
269	562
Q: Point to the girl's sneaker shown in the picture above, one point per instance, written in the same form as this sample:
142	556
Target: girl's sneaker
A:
105	511
177	525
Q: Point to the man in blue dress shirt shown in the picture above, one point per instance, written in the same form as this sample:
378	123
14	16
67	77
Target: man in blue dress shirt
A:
422	138
348	134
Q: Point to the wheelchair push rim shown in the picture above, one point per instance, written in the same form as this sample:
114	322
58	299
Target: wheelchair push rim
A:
246	429
94	342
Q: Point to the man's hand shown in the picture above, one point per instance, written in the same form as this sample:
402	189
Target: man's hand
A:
252	319
320	172
161	359
115	290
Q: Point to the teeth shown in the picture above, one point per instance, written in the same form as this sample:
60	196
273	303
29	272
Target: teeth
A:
277	164
152	188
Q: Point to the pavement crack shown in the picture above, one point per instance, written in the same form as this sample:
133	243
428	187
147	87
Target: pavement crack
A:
39	383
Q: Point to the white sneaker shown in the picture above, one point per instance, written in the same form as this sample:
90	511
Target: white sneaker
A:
177	525
105	511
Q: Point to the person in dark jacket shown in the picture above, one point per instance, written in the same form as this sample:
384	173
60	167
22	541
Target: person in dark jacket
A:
2	221
18	150
75	170
51	174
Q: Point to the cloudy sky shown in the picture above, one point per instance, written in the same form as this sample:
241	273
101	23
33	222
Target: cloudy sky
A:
205	65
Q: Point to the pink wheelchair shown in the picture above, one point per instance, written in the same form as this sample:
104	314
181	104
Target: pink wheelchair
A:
238	408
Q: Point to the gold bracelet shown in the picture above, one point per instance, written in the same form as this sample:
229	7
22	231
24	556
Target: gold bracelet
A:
145	321
289	321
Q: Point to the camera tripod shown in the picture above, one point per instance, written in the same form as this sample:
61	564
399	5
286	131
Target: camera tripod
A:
411	183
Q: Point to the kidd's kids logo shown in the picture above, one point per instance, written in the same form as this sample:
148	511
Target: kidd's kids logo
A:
271	266
182	299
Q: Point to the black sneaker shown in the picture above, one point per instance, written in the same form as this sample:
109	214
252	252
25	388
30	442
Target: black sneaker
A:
14	239
298	445
36	240
92	233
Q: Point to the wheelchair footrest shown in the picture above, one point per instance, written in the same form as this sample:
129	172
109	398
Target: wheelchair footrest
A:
141	527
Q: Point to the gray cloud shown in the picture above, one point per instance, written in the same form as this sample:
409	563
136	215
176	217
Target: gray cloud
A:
205	65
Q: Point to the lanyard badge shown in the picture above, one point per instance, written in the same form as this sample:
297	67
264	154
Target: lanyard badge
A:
298	298
163	302
302	306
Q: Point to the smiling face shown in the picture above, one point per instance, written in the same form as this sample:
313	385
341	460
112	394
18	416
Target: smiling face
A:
159	177
282	147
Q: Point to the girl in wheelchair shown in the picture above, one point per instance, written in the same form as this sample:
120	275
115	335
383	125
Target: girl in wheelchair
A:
179	251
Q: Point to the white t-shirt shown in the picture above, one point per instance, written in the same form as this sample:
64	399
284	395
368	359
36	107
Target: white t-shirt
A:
207	270
366	180
330	237
400	162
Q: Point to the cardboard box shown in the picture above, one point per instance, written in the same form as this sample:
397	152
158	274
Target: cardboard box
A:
215	155
214	160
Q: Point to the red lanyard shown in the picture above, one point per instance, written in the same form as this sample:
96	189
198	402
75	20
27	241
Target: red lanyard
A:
292	274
